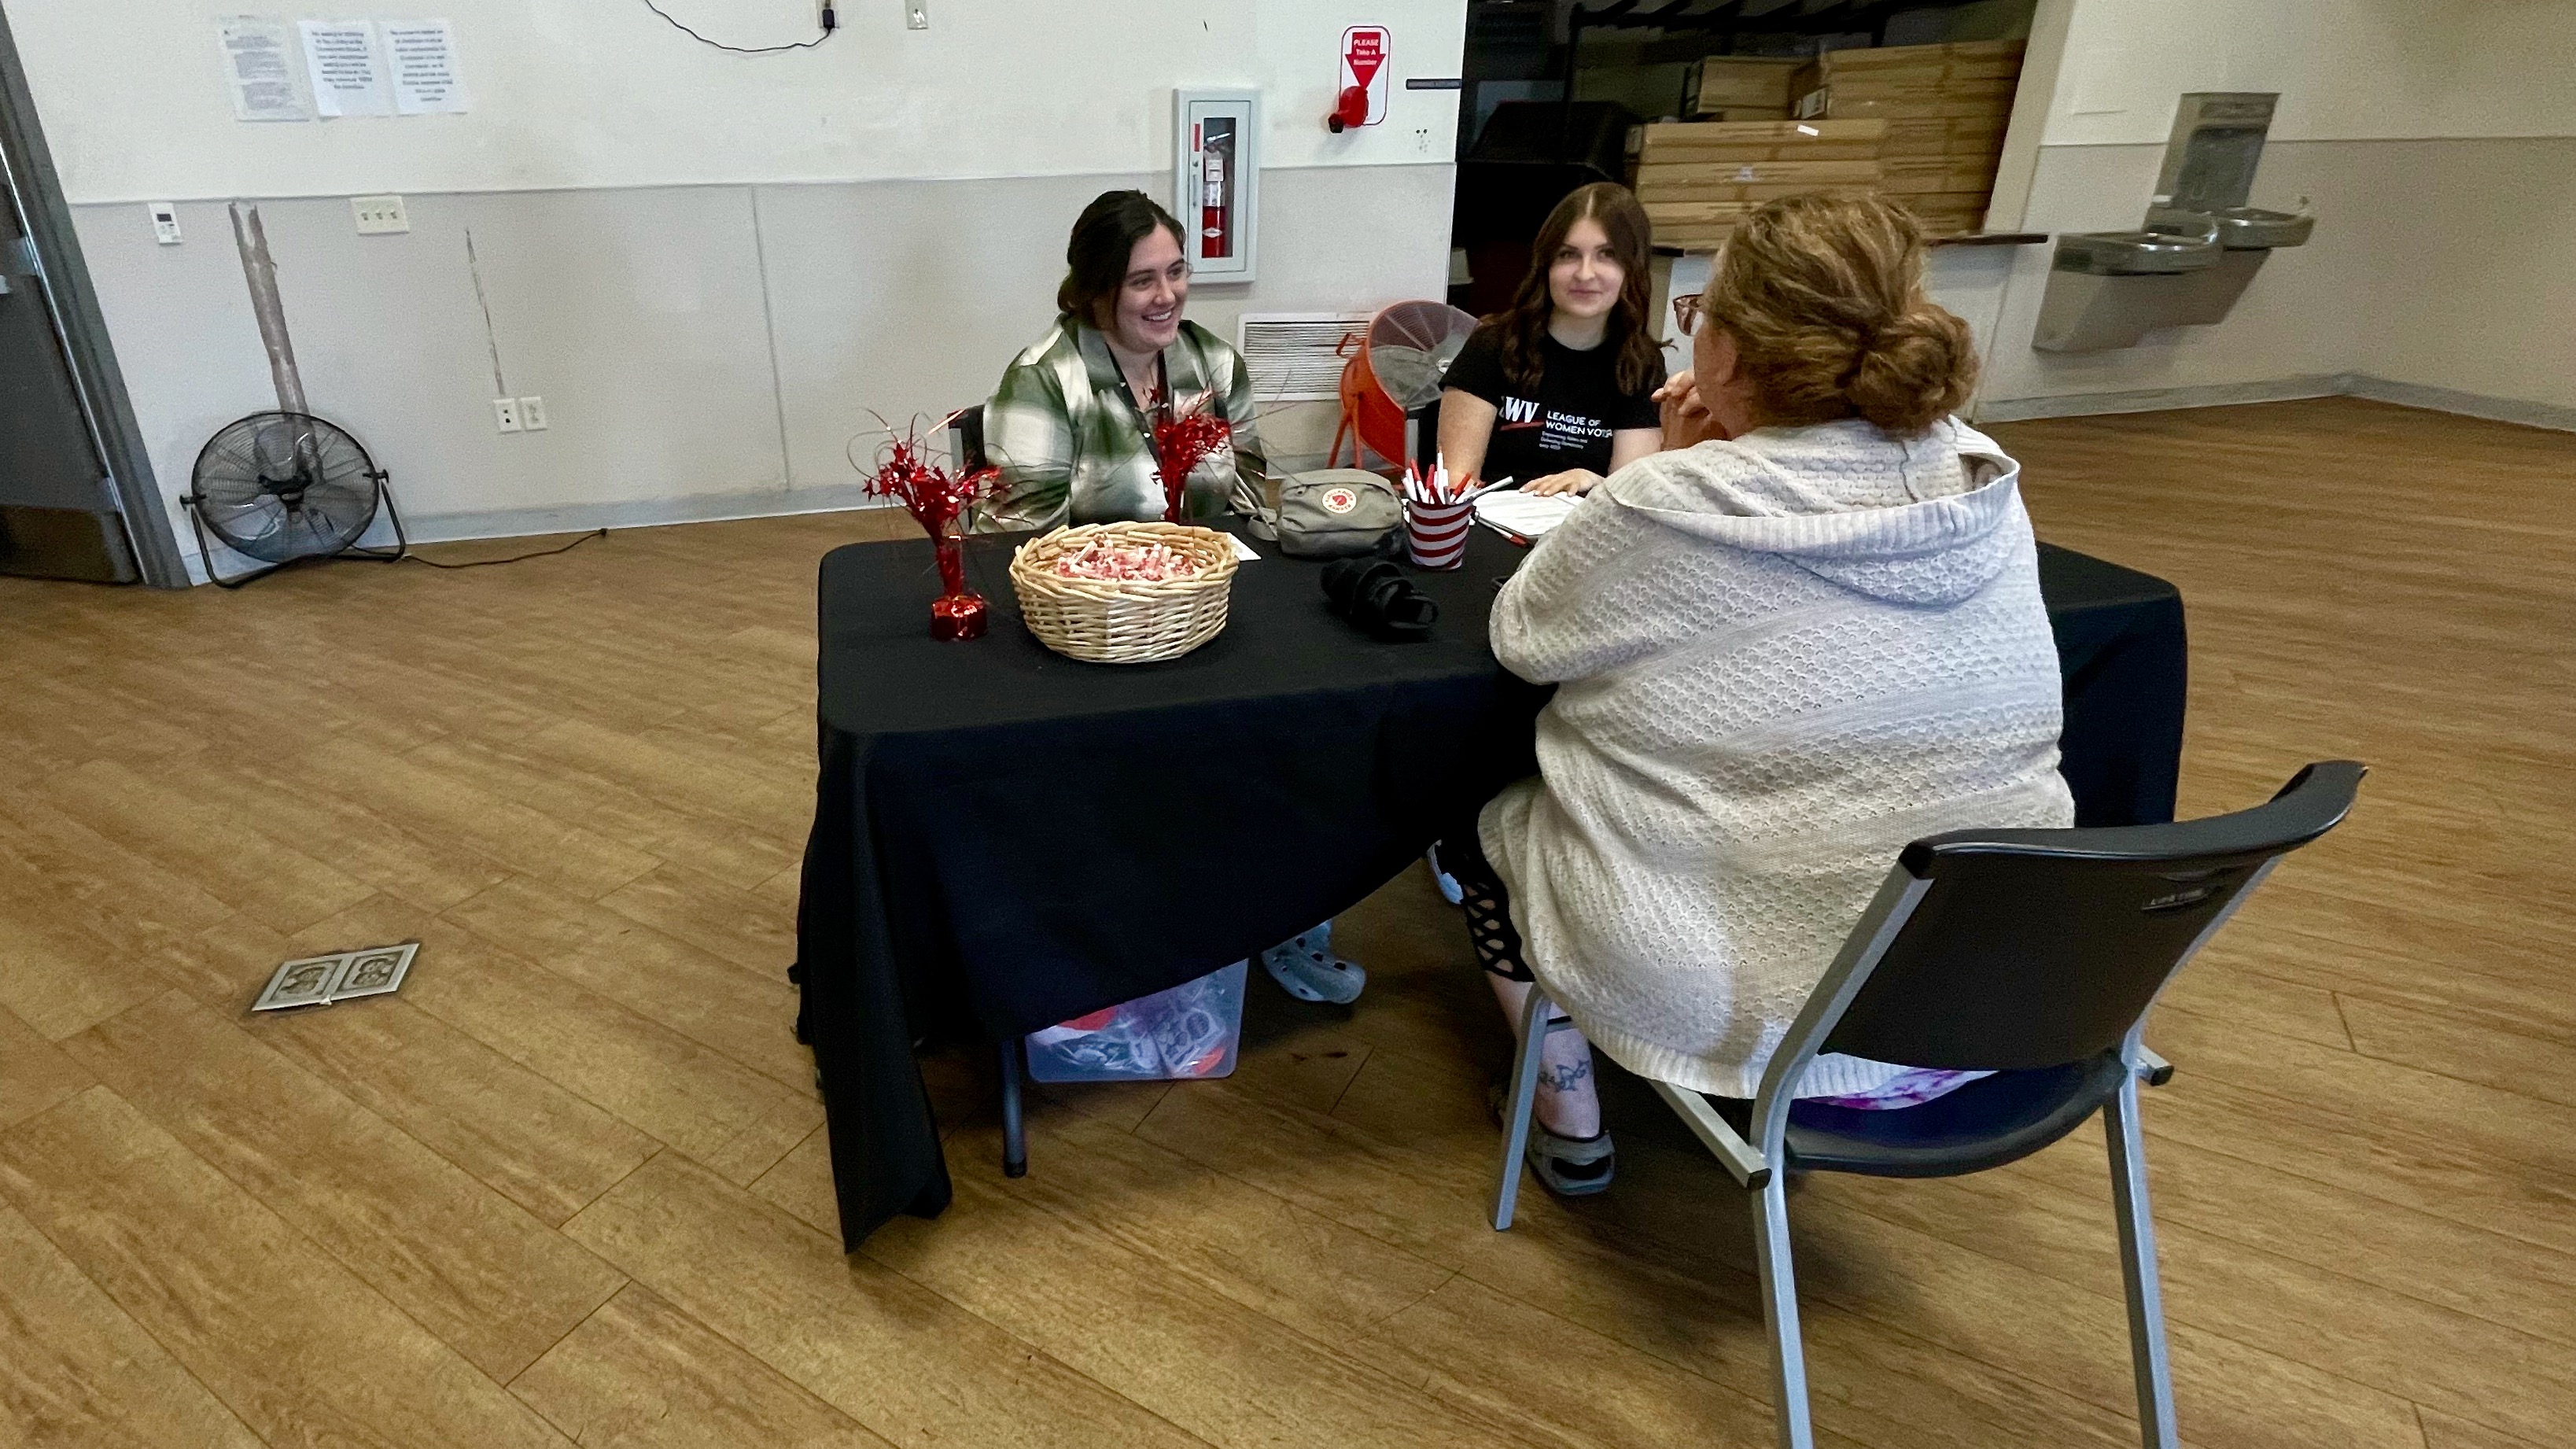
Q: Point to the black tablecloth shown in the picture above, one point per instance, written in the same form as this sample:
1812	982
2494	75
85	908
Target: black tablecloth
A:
1004	838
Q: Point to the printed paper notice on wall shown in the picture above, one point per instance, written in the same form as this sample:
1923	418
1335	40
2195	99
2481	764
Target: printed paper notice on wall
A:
348	80
260	70
426	81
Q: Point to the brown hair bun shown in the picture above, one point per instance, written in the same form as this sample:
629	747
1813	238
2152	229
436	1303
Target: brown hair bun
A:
1824	298
1916	371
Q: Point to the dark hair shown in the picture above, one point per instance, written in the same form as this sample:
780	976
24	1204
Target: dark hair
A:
1523	324
1104	237
1824	298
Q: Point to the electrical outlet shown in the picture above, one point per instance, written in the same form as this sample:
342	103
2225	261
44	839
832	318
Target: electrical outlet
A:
916	14
165	223
1422	140
378	215
532	414
505	411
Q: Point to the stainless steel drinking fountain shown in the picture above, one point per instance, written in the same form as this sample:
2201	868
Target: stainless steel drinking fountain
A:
2201	243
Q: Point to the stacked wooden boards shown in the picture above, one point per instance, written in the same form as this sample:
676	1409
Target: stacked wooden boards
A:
1921	123
1945	107
1742	87
1698	179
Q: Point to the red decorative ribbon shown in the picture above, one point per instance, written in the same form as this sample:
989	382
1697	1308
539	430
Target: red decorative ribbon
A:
937	499
1180	445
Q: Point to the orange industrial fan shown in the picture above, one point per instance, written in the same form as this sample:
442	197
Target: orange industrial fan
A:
1395	367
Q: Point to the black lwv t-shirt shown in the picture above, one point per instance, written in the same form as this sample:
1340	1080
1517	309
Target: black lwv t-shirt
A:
1568	423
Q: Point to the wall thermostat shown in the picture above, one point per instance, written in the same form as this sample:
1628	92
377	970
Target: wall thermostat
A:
1217	179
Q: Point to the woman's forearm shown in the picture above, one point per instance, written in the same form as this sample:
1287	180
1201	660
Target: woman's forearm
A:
1466	430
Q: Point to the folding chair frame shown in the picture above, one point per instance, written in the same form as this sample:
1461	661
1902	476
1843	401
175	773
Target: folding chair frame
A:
1761	1168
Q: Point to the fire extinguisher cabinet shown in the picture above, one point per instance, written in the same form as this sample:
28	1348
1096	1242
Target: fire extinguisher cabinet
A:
1217	180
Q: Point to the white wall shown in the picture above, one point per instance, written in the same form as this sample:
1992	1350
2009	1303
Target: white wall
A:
2436	140
2346	70
715	268
603	93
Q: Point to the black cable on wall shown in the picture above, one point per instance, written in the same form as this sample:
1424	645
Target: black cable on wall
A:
831	25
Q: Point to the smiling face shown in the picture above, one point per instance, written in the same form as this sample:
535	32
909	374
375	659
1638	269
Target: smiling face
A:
1146	316
1584	277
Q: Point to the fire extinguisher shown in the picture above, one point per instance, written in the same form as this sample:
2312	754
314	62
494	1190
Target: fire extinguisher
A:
1216	192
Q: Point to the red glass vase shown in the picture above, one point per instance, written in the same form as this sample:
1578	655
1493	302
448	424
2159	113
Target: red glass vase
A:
958	612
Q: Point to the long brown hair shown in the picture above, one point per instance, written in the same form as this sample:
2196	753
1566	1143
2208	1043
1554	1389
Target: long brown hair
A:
1824	298
1523	325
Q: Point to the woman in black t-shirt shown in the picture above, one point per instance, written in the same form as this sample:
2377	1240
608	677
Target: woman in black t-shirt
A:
1558	389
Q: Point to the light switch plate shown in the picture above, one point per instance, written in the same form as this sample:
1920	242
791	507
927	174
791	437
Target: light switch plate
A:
165	223
532	414
379	215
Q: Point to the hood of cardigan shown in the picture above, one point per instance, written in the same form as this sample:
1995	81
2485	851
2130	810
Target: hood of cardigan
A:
1800	493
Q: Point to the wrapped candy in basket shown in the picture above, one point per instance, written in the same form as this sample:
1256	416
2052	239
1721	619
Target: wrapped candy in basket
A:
1189	1031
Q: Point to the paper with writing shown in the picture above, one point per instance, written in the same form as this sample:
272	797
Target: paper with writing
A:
426	80
348	80
259	69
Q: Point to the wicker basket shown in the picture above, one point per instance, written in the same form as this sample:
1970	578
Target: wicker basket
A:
1116	622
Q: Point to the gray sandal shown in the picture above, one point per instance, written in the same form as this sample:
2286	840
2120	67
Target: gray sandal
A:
1566	1166
1306	968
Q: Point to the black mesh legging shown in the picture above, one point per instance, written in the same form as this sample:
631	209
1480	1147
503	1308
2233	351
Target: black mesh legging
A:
1487	904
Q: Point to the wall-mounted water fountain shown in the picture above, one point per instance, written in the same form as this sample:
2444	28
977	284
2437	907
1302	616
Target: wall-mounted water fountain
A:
2200	245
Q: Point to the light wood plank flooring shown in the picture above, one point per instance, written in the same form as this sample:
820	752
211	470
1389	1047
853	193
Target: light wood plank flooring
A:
569	1187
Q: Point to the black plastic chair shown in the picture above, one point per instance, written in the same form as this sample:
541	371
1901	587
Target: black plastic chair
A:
965	429
2033	954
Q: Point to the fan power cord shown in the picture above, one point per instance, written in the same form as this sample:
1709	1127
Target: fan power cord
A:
831	24
485	563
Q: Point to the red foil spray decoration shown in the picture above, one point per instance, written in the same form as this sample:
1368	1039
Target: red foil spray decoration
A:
938	500
1180	445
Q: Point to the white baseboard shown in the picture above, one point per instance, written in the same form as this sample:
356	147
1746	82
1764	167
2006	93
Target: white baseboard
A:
840	498
638	513
2468	404
583	517
2348	384
2151	400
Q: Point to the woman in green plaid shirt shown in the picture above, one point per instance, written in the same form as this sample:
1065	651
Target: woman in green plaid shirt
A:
1071	426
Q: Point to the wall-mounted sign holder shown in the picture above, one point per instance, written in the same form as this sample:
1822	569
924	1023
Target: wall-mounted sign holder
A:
1366	49
1217	181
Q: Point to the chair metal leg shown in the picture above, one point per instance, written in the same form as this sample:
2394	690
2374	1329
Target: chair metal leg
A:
1518	1103
1780	1313
2121	1129
1015	1142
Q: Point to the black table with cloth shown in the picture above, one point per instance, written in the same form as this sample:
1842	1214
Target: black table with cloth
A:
1004	838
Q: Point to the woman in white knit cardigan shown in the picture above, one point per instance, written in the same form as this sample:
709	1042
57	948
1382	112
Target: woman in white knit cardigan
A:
1782	651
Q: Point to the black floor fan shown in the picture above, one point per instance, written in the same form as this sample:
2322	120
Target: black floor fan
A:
283	487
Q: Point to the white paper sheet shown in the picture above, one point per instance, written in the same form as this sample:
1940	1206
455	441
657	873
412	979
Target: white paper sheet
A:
426	80
1244	551
1525	514
259	69
348	78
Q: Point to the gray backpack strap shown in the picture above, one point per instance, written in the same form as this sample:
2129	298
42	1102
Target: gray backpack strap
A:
1261	521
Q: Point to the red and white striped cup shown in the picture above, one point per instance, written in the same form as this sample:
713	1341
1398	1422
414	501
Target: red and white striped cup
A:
1436	533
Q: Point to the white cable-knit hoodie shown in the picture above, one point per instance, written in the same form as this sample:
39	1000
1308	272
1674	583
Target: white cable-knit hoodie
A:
1781	658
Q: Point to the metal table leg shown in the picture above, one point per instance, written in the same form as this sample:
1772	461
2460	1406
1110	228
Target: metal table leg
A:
1015	1142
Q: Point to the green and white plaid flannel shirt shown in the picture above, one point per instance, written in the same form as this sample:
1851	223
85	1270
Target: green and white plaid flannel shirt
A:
1073	448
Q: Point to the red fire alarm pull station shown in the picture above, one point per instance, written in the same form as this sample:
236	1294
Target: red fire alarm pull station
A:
1360	94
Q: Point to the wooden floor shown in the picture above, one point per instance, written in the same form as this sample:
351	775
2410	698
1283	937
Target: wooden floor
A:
568	1186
